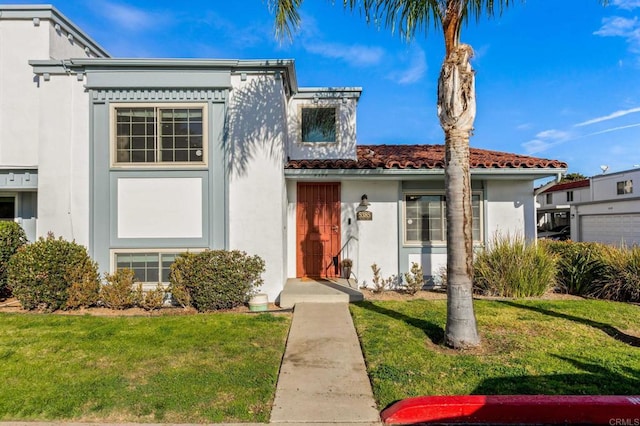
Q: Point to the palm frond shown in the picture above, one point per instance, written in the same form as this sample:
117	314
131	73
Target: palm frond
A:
287	18
406	17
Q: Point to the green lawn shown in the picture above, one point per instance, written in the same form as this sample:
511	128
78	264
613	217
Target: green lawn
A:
197	368
529	347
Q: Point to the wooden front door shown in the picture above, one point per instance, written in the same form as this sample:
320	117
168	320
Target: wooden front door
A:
317	229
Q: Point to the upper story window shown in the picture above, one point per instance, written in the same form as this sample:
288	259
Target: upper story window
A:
319	124
549	199
569	196
426	220
624	187
153	135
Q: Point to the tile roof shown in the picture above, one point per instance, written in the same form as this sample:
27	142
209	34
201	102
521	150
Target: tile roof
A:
569	185
424	157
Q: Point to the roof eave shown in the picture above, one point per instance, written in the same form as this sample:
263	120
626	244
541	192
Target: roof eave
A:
47	11
416	174
81	65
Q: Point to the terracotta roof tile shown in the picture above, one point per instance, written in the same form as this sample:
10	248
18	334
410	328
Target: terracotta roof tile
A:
424	157
569	185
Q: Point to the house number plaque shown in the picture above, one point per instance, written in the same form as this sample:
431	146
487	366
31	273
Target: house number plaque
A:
364	215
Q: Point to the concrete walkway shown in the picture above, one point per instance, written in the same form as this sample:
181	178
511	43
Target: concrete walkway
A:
323	377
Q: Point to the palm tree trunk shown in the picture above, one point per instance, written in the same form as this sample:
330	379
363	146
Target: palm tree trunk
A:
456	110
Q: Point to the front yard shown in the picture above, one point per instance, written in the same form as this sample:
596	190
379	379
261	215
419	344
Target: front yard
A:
529	347
173	369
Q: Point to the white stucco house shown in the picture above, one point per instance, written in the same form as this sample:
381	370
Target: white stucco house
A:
553	202
611	213
142	159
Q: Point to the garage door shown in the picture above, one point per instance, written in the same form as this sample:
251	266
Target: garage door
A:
611	229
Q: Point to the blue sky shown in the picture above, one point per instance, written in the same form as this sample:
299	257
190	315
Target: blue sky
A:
555	79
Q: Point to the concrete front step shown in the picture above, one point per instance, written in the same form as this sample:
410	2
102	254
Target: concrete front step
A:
309	290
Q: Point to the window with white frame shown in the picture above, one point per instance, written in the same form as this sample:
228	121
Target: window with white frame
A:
148	267
624	187
146	134
569	196
425	218
319	124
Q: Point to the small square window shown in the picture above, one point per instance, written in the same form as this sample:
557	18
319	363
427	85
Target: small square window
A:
624	187
319	124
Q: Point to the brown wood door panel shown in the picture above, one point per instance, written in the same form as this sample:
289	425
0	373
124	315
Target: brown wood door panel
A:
317	229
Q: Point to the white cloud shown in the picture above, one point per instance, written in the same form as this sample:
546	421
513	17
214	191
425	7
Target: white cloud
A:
238	37
554	135
130	18
524	126
536	145
611	116
547	139
626	4
417	67
355	55
617	26
613	129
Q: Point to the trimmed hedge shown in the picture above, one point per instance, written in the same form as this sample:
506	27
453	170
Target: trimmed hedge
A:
215	279
12	237
40	274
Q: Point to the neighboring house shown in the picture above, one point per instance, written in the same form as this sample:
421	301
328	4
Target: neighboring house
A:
553	203
142	159
612	213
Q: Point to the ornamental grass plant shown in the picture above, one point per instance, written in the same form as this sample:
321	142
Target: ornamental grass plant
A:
513	267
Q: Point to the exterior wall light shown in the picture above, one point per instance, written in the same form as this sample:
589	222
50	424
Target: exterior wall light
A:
364	203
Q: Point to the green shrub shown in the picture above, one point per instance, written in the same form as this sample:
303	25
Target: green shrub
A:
414	279
513	268
151	299
119	291
40	274
85	286
12	237
620	275
580	265
180	293
215	279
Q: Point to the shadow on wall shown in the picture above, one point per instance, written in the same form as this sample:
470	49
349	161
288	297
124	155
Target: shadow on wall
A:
256	122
